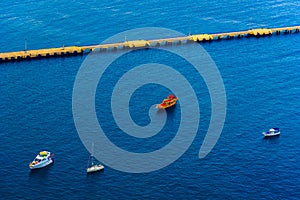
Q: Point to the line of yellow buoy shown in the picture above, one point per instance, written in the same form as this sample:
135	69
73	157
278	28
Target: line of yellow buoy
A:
75	50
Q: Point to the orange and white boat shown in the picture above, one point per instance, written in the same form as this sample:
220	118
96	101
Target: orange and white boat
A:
168	102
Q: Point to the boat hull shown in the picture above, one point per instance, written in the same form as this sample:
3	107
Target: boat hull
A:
164	106
266	134
95	168
41	165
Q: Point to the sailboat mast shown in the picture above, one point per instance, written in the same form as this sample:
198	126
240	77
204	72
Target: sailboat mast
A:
88	164
92	154
91	158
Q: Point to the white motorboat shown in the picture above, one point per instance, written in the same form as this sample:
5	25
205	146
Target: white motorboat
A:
43	159
272	132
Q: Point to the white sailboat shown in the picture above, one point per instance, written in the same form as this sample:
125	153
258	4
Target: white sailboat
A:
91	166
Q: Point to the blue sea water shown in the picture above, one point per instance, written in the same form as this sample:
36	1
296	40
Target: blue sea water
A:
261	77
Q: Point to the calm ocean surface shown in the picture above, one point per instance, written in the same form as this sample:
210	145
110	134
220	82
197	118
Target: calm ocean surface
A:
261	78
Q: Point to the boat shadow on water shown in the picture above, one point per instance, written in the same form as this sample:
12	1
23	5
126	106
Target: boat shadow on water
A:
167	110
93	174
273	139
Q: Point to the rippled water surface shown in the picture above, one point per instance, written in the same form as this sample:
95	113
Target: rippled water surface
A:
261	77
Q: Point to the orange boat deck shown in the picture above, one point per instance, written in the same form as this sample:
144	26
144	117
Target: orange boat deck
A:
167	103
